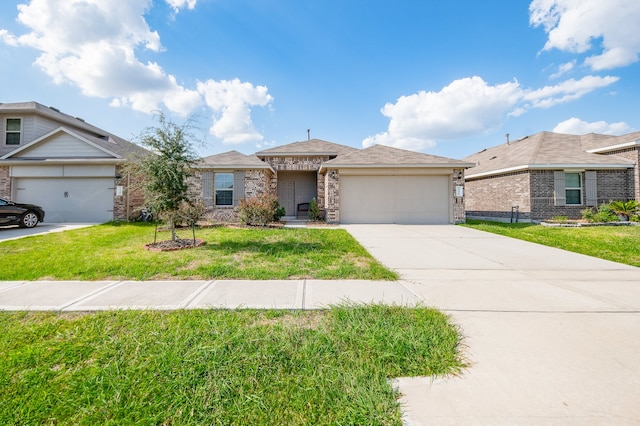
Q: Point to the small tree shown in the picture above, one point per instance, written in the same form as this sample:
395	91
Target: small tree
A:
166	170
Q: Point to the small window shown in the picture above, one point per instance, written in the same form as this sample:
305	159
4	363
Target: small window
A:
12	131
573	188
224	189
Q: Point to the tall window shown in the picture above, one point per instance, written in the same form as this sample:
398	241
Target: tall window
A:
224	189
573	188
12	131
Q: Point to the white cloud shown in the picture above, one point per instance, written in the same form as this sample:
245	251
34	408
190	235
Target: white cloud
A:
176	5
568	90
91	44
575	126
574	26
231	102
470	106
563	69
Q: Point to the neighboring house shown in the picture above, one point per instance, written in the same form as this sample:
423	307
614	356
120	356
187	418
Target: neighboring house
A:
552	174
69	167
379	184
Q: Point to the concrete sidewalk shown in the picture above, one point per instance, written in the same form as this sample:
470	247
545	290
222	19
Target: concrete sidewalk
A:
166	295
552	337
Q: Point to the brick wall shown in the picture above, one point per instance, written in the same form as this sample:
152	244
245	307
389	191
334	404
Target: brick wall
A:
332	194
5	183
459	214
257	183
634	175
495	196
132	198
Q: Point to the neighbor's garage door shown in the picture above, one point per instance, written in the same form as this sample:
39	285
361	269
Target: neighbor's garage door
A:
68	199
395	199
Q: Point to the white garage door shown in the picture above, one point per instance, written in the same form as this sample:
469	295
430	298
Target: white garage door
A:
68	199
395	199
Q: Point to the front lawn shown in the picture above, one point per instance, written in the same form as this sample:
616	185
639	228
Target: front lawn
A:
115	252
218	367
617	243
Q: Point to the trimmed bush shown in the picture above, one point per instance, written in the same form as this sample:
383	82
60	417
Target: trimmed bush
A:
259	211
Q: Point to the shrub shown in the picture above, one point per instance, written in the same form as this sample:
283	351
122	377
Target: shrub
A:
624	208
314	210
602	214
259	210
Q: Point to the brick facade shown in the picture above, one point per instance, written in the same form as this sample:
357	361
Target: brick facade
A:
300	164
332	196
634	155
495	196
257	183
128	205
5	182
459	213
532	191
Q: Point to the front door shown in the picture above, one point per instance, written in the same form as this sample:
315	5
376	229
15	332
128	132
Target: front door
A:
287	197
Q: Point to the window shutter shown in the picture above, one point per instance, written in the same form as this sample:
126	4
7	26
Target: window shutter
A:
592	188
207	188
238	186
559	196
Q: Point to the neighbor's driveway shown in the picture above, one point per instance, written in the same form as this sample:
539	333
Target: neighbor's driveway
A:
14	232
552	337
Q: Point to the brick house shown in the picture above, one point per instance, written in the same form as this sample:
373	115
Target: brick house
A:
552	174
379	184
64	164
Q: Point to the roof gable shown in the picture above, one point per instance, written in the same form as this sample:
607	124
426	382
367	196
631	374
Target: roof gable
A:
61	143
312	147
386	156
233	159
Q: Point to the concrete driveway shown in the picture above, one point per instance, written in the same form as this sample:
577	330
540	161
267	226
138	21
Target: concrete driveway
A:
552	337
15	232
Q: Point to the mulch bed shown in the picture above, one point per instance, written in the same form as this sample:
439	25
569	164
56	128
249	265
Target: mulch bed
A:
177	244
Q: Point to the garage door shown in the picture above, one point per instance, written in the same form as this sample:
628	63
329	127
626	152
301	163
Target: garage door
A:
68	199
395	199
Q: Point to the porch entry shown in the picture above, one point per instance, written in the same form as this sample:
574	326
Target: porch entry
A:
296	189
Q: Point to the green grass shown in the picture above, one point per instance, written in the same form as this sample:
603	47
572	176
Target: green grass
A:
218	367
617	243
115	252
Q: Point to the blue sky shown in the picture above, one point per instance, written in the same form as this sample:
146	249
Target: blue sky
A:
444	77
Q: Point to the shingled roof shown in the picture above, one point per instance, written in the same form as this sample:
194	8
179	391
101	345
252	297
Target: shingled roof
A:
386	156
546	150
310	147
233	159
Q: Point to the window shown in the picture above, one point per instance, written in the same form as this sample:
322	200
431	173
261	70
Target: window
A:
12	131
224	189
573	188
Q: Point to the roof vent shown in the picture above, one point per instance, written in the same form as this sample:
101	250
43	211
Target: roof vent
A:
55	109
308	134
493	158
80	119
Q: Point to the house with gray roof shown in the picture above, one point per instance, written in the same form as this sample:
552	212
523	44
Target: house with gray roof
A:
379	184
64	164
552	174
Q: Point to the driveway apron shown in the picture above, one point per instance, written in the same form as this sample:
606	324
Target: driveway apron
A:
550	336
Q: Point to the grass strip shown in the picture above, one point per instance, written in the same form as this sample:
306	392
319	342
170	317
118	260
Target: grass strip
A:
218	367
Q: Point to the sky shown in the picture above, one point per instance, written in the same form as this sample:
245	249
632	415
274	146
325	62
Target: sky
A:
447	78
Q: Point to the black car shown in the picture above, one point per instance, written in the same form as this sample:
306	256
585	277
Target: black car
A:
25	215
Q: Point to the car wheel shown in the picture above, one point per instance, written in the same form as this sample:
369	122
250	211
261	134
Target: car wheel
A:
29	220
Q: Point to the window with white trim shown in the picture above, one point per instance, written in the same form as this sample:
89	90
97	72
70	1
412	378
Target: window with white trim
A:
573	188
223	183
12	131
